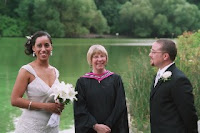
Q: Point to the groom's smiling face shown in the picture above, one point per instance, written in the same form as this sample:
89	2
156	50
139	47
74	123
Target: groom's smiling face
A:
156	55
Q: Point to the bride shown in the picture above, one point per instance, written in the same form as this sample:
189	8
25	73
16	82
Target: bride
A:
37	79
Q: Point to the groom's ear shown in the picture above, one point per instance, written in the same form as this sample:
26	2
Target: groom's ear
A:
166	56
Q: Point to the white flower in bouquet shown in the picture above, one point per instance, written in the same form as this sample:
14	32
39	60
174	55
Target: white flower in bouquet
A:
63	93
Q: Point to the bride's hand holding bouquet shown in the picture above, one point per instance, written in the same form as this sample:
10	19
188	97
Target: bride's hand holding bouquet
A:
63	93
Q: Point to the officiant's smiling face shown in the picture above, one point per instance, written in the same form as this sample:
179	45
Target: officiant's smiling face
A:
97	58
99	61
156	55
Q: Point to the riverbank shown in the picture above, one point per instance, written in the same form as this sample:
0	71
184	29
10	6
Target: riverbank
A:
72	130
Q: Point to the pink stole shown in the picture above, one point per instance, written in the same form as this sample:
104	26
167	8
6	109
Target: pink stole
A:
98	77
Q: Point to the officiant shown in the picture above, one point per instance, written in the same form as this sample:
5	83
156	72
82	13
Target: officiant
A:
101	105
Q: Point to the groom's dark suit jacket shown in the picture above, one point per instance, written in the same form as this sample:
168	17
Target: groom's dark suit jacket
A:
172	105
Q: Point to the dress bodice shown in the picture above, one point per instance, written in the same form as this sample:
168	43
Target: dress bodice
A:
38	90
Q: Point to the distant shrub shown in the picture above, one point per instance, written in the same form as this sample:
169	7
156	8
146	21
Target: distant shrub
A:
9	27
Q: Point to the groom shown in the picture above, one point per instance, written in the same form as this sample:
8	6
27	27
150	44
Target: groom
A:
171	100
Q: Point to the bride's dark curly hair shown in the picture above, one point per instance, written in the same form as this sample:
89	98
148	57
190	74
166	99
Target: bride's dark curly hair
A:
31	41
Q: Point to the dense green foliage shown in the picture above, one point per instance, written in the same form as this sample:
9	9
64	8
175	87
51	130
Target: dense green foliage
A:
189	55
61	18
75	18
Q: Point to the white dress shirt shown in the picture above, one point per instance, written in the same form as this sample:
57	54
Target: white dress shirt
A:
160	73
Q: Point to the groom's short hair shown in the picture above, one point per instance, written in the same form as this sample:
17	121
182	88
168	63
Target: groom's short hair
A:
169	47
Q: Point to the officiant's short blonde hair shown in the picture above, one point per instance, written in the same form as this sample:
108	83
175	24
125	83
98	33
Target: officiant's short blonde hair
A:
96	49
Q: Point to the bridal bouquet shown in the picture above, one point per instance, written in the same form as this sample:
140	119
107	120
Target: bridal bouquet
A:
63	93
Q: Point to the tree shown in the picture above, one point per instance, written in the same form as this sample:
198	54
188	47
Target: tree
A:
47	17
136	18
7	7
174	17
110	9
25	12
9	27
78	20
161	26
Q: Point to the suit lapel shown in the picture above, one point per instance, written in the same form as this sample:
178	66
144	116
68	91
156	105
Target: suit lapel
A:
154	89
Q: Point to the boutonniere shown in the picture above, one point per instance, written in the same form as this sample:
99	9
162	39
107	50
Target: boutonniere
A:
166	76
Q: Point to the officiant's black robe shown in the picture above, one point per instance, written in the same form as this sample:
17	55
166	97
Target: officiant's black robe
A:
101	102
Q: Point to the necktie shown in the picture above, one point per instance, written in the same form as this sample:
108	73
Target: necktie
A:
157	78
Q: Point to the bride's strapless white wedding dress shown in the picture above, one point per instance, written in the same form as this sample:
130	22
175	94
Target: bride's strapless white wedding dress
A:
35	121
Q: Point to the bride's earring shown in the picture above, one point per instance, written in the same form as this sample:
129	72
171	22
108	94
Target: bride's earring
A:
33	54
51	53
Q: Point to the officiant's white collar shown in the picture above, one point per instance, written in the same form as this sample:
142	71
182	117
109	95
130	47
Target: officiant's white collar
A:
161	71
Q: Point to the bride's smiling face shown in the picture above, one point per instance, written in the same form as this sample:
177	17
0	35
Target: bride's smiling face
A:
42	48
99	61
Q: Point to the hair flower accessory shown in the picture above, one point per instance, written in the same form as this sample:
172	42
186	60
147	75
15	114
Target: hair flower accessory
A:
166	76
29	39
